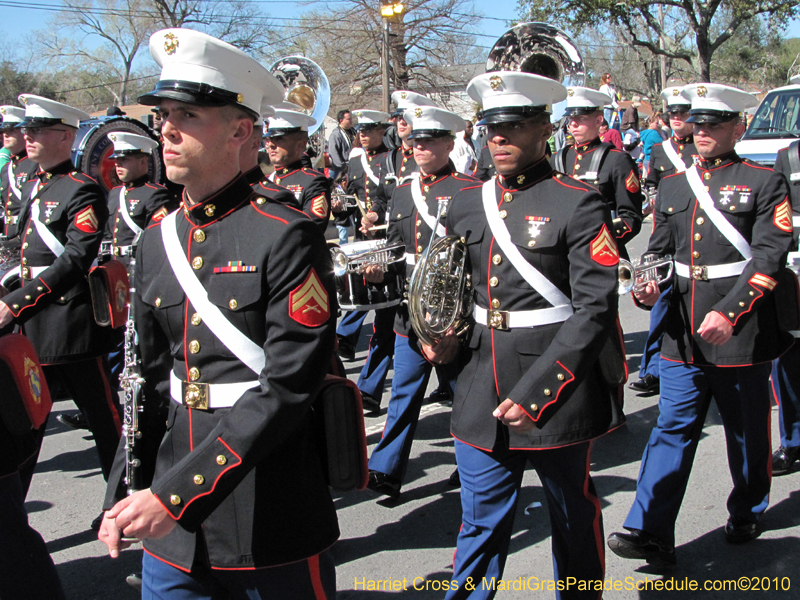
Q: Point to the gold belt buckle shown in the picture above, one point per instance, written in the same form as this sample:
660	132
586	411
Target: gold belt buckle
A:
700	273
195	395
498	319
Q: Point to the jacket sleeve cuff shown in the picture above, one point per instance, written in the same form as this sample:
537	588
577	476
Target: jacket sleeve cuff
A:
547	392
745	298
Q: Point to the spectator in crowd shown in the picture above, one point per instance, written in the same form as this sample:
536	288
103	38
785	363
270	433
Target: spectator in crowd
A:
610	136
649	138
630	118
339	144
463	155
607	87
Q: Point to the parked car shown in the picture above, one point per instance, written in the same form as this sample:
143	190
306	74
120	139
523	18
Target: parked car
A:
775	124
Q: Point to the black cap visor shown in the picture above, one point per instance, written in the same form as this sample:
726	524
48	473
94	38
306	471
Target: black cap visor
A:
429	133
369	126
121	153
10	125
509	114
281	131
712	116
191	92
582	110
678	108
40	122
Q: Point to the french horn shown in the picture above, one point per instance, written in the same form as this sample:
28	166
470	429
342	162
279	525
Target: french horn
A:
308	87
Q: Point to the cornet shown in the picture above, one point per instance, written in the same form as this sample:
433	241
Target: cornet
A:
634	276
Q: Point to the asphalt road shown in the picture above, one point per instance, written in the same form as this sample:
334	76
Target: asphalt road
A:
384	542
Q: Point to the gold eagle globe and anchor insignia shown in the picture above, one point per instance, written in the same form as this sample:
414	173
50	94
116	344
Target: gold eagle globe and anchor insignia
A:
170	43
676	92
570	92
417	112
701	90
495	81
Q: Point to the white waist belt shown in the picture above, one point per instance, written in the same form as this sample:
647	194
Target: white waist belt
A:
705	272
411	259
220	395
501	319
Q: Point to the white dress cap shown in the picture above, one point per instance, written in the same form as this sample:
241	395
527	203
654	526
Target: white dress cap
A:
197	68
674	97
513	95
12	116
584	101
431	121
369	118
405	99
289	121
716	103
42	112
131	143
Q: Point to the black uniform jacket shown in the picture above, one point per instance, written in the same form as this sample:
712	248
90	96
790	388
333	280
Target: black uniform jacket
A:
368	191
782	166
661	165
311	189
618	182
484	170
562	227
146	202
246	479
754	199
407	227
262	186
23	169
398	166
55	307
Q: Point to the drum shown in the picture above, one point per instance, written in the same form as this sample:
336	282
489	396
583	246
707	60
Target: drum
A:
355	293
92	149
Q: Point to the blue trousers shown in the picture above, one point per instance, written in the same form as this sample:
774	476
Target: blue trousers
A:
742	397
381	349
786	386
411	375
349	327
651	355
310	579
26	569
490	482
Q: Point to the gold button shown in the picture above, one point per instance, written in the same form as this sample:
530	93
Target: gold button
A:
196	320
261	200
731	315
39	288
419	222
199	236
30	231
698	237
700	220
209	210
733	207
752	293
695	254
199	479
278	180
680	147
399	215
503	214
405	159
27	297
158	302
508	197
560	377
495	303
175	499
15	306
47	220
25	245
531	243
24	261
580	156
497	259
403	169
221	460
194	374
706	176
427	188
233	304
197	262
547	392
194	346
705	187
669	209
534	407
741	304
493	282
419	235
419	248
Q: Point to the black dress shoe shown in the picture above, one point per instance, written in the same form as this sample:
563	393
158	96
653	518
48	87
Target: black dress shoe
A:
346	350
384	484
97	521
739	530
783	458
646	385
369	403
642	545
443	395
77	421
455	479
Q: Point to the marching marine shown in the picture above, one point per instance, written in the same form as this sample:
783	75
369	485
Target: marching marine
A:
18	170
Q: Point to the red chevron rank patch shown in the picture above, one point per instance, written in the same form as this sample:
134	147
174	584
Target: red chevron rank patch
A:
319	206
160	214
632	183
764	281
308	303
783	216
86	220
604	249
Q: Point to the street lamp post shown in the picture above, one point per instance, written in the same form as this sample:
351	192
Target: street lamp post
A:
387	11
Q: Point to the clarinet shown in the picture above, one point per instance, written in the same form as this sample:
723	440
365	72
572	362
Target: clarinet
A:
132	382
